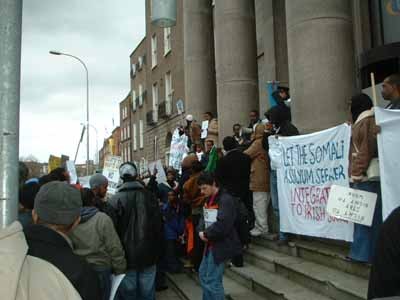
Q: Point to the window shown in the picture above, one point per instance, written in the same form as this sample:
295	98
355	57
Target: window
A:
141	142
153	51
129	152
122	134
128	129
141	62
140	95
133	70
155	102
133	96
134	137
168	93
167	40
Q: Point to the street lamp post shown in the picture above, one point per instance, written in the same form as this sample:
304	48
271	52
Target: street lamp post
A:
87	103
97	141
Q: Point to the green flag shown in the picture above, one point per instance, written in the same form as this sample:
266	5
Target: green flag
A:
212	160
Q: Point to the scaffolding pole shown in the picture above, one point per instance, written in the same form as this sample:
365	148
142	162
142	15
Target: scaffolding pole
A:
10	66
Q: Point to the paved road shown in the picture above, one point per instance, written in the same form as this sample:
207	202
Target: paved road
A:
169	294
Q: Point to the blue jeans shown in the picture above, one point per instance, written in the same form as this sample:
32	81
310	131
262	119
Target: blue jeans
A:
104	275
275	198
365	237
211	278
138	285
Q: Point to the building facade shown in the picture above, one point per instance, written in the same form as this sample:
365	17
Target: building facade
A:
171	65
221	54
111	146
126	128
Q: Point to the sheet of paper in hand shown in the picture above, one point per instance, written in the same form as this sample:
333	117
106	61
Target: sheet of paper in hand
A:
210	216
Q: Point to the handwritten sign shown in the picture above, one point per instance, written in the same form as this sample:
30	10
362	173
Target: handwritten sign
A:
204	129
161	177
111	171
178	149
180	107
307	167
352	205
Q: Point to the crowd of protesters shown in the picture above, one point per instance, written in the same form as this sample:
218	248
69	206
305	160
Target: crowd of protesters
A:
73	238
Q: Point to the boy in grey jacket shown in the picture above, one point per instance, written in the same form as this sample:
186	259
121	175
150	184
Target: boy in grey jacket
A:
96	240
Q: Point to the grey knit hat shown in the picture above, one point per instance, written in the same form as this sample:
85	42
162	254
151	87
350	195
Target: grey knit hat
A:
97	180
58	203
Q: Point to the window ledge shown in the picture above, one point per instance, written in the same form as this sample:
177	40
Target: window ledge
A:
167	52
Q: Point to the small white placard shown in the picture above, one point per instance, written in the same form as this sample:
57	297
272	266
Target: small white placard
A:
180	107
204	129
111	172
352	205
72	171
161	176
210	216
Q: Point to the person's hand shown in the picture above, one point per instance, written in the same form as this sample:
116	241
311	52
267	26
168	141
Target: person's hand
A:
202	236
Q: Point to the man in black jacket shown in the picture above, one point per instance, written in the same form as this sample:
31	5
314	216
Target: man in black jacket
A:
218	232
139	228
57	212
233	174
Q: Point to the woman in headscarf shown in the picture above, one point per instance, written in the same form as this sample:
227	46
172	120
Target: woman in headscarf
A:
259	181
363	150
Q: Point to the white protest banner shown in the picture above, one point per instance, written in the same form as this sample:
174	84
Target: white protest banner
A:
309	165
352	205
204	129
161	177
389	159
111	171
178	149
70	165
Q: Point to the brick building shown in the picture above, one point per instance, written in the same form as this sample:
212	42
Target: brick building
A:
164	64
111	146
125	108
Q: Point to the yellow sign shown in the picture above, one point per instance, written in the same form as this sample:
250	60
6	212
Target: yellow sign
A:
54	162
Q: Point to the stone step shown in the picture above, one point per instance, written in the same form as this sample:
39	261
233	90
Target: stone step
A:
169	294
188	287
325	280
270	285
333	256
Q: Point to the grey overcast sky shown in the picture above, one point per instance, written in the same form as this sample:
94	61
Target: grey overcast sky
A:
53	88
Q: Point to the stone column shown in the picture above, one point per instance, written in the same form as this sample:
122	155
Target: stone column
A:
235	62
200	87
321	61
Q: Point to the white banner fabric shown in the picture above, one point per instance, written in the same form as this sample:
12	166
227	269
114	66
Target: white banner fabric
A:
306	169
389	159
178	149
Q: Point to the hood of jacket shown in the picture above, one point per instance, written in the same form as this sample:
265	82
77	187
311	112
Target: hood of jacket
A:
365	114
87	213
13	250
130	185
259	131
